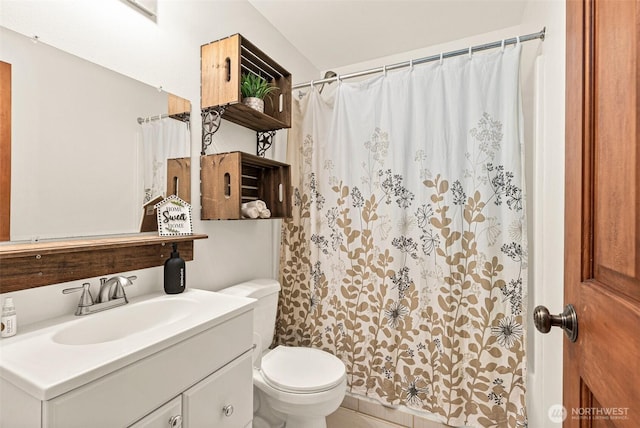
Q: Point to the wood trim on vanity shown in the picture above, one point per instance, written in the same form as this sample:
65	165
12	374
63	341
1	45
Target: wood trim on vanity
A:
26	265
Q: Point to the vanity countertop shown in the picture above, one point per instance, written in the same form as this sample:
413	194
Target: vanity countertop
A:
56	356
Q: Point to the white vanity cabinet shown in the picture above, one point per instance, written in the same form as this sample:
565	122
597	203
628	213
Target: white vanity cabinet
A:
203	380
222	400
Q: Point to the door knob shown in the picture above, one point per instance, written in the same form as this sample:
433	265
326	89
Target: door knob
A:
567	320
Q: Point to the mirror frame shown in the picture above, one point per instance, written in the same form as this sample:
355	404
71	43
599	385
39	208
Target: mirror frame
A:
5	150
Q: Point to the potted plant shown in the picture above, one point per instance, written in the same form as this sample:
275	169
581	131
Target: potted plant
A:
254	88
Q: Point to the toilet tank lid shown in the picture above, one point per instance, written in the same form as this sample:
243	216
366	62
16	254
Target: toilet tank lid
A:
255	288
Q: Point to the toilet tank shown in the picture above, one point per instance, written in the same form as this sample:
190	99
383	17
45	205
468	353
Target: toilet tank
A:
264	313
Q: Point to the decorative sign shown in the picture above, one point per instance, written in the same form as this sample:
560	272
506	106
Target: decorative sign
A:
174	217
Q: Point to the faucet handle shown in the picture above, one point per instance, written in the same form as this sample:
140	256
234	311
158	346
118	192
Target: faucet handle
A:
118	288
85	299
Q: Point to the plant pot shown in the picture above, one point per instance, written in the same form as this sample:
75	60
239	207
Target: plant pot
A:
254	103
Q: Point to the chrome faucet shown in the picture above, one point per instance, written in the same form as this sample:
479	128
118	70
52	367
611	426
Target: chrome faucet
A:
111	294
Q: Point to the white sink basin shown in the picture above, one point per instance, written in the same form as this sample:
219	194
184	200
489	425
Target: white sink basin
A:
65	353
130	319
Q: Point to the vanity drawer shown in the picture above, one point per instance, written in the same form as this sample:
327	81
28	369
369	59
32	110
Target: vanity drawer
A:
223	400
166	416
125	396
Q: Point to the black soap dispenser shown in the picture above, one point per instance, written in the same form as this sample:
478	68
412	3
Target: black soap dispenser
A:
174	273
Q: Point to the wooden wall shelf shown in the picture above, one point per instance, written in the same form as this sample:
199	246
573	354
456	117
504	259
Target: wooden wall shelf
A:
227	180
222	64
250	118
30	265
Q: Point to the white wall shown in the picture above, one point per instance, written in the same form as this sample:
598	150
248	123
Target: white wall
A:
543	81
546	283
164	53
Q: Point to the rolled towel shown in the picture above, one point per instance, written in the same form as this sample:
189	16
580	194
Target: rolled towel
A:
250	212
265	213
260	205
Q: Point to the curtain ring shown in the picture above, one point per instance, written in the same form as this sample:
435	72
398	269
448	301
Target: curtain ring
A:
411	64
311	84
502	47
441	58
470	48
159	117
518	39
384	70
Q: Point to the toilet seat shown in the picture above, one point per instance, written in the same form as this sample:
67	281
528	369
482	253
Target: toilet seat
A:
301	370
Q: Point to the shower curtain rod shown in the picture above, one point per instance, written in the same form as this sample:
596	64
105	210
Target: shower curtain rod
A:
512	41
183	117
141	120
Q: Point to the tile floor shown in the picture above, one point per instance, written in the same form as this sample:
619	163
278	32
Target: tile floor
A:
361	413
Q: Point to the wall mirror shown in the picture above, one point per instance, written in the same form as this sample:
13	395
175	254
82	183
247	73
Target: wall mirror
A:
76	151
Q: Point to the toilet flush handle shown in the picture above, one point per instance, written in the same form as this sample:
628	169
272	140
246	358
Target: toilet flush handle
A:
227	410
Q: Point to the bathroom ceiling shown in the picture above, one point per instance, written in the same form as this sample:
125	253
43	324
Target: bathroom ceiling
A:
335	33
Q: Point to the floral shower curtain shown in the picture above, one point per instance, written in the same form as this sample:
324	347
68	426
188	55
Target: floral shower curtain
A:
406	255
162	139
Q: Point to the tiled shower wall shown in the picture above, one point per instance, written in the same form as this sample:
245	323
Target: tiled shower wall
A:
362	413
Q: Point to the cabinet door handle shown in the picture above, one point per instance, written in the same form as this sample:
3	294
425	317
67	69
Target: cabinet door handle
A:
175	421
227	410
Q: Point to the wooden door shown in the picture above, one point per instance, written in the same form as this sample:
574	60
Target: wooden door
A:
602	213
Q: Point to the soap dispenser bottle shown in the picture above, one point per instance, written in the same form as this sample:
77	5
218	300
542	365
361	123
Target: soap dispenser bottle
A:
9	324
174	273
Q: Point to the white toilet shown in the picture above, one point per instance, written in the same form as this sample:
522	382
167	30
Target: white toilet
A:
293	387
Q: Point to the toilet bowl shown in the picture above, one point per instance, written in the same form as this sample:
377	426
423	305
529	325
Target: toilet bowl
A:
295	387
